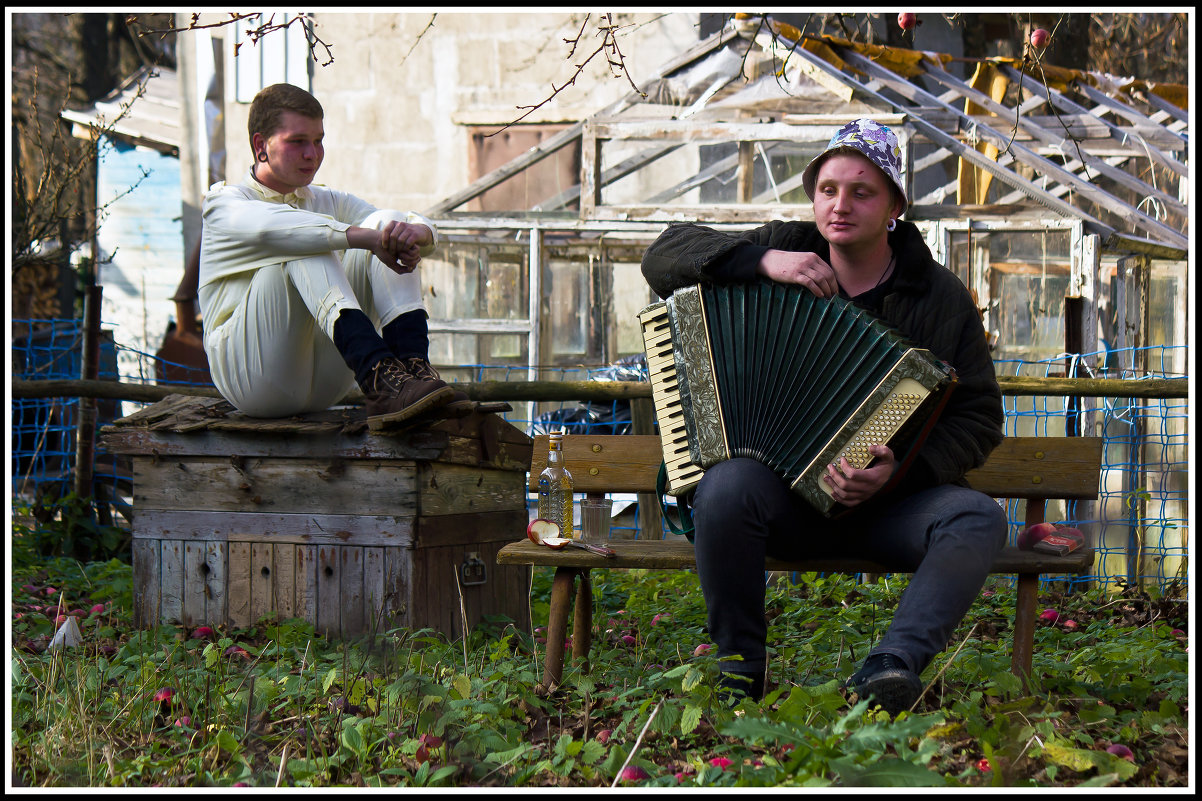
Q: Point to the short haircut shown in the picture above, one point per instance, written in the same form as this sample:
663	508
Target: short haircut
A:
270	104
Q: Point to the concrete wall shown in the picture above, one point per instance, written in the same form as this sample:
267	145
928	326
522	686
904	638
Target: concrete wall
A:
398	106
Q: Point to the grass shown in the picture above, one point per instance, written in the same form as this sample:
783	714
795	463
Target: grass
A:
278	705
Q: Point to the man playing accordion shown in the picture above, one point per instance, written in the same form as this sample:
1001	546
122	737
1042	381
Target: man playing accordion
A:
928	520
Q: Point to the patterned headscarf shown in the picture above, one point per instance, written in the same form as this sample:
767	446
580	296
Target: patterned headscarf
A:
876	142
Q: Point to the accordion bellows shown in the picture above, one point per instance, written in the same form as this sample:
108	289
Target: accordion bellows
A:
771	372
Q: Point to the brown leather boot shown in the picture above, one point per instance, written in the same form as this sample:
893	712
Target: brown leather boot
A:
395	392
423	369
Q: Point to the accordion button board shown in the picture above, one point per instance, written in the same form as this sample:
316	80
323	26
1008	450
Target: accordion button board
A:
727	381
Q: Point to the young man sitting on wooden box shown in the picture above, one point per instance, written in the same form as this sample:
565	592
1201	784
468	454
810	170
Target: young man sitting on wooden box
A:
306	290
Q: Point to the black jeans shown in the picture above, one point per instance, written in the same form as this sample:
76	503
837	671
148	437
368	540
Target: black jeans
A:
947	535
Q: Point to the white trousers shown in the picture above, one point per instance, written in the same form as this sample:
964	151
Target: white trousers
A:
275	355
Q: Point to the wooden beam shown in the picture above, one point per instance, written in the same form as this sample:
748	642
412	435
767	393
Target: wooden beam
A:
569	135
600	391
1053	140
1108	103
1132	136
959	148
1032	159
614	173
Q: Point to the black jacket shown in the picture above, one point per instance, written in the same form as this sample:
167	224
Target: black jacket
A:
926	303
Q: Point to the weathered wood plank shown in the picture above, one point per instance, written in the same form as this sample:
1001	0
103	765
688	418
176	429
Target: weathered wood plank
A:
351	591
274	485
171	604
1041	467
328	590
141	441
373	590
193	584
630	463
604	463
675	555
238	586
283	571
469	530
147	578
216	559
456	489
398	587
262	584
306	583
298	529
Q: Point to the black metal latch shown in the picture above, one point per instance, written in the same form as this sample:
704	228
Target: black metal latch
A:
472	571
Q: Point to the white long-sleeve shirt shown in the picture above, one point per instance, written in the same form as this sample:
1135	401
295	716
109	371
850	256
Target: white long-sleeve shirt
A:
248	225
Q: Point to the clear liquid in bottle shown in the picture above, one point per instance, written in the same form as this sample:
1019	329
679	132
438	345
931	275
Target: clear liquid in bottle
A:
556	500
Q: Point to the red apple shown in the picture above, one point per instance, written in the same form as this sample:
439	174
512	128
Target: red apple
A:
1040	38
634	773
1121	751
540	530
1033	534
907	20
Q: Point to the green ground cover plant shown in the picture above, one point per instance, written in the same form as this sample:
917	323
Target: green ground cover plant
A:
278	705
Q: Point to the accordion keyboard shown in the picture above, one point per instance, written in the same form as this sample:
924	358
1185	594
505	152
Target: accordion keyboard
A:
665	394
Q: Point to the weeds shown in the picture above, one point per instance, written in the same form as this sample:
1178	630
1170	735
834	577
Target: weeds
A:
278	705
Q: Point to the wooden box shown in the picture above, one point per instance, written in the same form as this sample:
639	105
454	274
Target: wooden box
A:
237	518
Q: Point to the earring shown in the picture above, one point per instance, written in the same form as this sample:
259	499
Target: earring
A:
891	225
263	157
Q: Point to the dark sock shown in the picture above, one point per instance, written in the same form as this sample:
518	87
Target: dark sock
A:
408	335
356	339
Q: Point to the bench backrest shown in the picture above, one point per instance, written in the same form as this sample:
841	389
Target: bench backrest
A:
1021	467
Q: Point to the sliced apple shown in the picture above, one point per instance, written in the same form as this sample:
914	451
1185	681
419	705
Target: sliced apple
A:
540	529
556	543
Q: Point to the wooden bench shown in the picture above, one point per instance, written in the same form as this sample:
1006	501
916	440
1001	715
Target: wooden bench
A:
1034	468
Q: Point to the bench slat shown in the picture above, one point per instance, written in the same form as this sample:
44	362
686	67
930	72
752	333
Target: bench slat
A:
677	554
1015	469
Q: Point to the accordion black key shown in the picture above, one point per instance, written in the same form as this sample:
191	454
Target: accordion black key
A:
771	372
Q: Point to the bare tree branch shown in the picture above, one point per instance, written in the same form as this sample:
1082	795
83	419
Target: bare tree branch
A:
613	57
254	34
418	40
57	181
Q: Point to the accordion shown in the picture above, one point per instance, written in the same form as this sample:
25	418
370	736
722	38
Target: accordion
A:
771	372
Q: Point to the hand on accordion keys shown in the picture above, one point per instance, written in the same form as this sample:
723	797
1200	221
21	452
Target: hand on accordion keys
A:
851	486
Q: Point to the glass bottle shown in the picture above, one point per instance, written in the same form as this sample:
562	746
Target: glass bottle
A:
555	497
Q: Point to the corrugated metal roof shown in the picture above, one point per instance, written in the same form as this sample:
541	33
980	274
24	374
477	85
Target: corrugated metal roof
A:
145	111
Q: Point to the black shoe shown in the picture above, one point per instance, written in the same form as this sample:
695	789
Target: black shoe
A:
394	392
887	680
734	686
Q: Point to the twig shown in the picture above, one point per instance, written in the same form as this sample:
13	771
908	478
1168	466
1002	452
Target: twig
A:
463	617
945	664
637	741
418	40
283	759
614	60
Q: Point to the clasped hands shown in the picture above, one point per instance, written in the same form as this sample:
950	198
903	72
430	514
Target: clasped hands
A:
399	245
